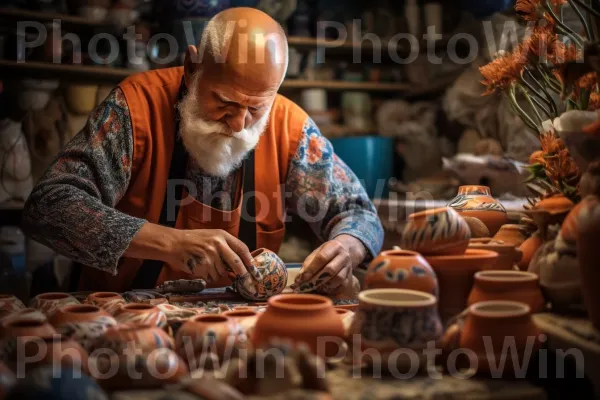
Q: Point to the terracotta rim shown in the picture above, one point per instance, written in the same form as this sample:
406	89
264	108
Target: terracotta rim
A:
240	313
80	309
499	309
486	242
300	302
104	295
137	307
430	211
469	254
24	322
506	276
211	318
400	253
464	188
54	296
397	298
258	252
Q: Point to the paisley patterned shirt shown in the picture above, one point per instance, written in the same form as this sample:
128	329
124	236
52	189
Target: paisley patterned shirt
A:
71	209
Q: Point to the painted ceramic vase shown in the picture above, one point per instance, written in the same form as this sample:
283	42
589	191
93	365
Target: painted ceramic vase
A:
436	231
7	380
528	249
495	323
143	314
245	318
401	269
477	201
508	285
9	304
455	278
84	323
392	319
110	302
512	234
50	302
145	338
273	272
508	255
300	318
26	327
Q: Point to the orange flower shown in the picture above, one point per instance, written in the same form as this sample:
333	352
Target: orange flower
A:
537	157
503	71
563	54
558	164
594	102
587	81
544	45
533	10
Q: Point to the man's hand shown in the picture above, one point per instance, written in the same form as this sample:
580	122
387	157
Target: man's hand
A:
330	266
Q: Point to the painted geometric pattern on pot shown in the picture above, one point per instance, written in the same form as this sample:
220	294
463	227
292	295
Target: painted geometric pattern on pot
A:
11	305
154	318
87	332
119	345
274	278
437	227
407	327
465	202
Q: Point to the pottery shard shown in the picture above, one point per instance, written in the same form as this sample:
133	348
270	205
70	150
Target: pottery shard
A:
478	228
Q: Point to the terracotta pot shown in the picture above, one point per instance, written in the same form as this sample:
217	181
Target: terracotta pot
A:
273	272
555	204
436	231
508	255
26	327
588	250
511	234
50	302
9	304
477	201
508	285
110	302
569	229
347	317
26	313
477	228
497	322
392	319
301	318
401	269
145	338
138	313
7	380
174	313
84	323
455	278
528	249
349	307
245	318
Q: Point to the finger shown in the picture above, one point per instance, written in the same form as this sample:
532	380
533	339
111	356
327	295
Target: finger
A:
235	263
315	264
239	248
337	283
327	273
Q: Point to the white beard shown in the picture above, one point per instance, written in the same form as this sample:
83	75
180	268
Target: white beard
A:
216	154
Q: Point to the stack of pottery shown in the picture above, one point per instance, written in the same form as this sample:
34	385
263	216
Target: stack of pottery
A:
84	323
110	302
48	303
507	243
477	201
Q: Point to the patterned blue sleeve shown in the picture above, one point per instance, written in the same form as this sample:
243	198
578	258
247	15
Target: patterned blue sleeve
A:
328	195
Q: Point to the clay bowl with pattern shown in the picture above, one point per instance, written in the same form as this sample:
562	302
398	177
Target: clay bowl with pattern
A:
455	274
245	318
50	302
401	269
9	304
110	302
144	338
273	272
508	254
141	313
436	231
83	322
477	201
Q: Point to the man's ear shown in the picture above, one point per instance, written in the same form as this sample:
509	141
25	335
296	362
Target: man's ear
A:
190	64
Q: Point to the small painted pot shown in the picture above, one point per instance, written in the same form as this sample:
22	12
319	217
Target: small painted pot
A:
401	269
436	231
391	319
84	323
26	327
508	285
512	234
48	303
9	304
145	338
213	333
137	313
26	313
508	254
245	318
477	201
273	272
110	302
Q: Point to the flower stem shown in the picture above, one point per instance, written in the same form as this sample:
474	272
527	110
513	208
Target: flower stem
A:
544	96
562	27
526	118
588	8
533	107
588	32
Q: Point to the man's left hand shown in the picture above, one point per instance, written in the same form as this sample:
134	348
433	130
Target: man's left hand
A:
330	266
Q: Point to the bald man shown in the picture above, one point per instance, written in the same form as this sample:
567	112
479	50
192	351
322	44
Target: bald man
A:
182	172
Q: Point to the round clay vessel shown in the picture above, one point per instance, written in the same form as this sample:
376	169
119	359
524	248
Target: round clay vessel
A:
554	204
50	302
9	304
401	269
436	231
110	302
508	285
273	272
569	229
477	201
528	249
83	322
512	234
508	255
143	314
26	327
143	337
455	278
245	318
301	318
477	228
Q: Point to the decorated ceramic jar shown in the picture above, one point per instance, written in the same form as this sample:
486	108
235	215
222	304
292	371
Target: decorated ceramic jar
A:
436	231
273	273
245	318
477	201
391	319
26	327
84	323
401	269
512	234
145	338
139	313
9	304
110	302
508	254
508	285
50	302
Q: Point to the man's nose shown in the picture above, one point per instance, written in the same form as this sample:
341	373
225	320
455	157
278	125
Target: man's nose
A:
237	120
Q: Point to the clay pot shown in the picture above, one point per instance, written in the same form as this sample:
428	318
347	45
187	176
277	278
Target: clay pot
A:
273	272
245	318
110	302
477	201
26	313
7	380
301	318
569	229
401	269
9	304
84	323
497	322
145	338
49	350
528	249
512	234
436	231
27	327
477	228
555	204
508	285
455	278
142	314
549	211
347	317
392	319
508	255
588	251
50	302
